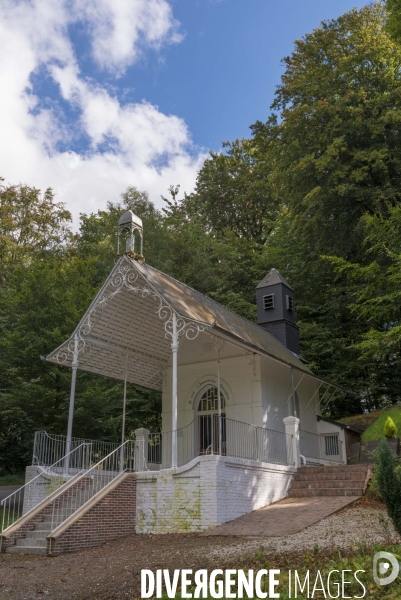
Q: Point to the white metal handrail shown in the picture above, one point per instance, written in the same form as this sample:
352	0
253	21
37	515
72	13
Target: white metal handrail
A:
90	483
28	496
214	434
48	449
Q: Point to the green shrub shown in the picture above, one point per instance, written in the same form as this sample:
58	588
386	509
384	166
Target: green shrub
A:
389	483
372	491
12	480
390	429
375	430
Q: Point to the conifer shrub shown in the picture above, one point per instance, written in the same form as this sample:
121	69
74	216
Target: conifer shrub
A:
389	482
390	429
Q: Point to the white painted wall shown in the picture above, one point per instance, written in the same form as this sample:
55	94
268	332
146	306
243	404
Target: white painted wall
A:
330	428
44	485
240	385
209	491
308	400
276	393
256	391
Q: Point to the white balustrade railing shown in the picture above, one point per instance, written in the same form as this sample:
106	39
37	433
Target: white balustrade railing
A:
48	449
91	483
40	487
211	434
154	456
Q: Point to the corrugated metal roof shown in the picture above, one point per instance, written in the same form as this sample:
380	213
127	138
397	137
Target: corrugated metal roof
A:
191	304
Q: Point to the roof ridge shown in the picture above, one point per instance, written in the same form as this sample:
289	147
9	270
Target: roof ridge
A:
202	294
222	306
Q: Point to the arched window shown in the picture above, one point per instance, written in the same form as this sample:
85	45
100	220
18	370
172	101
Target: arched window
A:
211	426
208	401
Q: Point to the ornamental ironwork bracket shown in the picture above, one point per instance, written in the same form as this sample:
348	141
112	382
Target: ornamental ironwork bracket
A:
127	277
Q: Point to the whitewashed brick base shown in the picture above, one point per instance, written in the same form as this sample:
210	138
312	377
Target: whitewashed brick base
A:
209	491
44	486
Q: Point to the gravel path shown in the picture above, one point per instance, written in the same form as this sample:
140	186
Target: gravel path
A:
343	530
112	571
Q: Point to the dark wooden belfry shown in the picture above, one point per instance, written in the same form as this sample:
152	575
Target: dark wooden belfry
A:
276	310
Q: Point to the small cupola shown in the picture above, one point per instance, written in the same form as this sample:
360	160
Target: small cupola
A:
129	227
276	310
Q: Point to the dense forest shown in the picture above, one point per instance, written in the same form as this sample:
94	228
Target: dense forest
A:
314	192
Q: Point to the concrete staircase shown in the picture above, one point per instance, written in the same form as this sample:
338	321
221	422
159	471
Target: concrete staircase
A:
35	541
342	480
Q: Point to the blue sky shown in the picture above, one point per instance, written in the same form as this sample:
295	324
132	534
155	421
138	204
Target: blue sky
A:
223	75
100	94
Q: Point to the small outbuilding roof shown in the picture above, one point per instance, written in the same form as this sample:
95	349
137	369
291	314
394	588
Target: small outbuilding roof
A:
354	428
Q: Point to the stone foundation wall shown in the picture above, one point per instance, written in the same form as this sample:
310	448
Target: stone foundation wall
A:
351	438
363	452
209	491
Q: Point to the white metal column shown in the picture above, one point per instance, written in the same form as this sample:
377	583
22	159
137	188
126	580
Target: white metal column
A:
124	399
72	402
124	410
294	406
174	348
219	400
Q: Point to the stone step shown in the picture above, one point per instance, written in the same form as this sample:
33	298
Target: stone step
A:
335	483
294	493
36	534
341	480
64	513
43	527
331	469
344	476
35	541
26	550
46	528
39	542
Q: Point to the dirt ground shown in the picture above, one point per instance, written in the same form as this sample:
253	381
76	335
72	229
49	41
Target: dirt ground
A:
112	571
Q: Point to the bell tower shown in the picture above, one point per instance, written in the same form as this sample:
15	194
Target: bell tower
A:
276	310
129	227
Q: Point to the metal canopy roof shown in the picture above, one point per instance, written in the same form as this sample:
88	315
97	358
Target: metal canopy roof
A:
131	317
192	305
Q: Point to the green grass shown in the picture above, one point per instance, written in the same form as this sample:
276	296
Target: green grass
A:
375	431
12	480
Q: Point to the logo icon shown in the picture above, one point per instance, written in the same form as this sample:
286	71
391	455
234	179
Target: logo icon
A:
381	568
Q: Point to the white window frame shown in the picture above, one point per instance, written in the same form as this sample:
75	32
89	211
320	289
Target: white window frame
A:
337	443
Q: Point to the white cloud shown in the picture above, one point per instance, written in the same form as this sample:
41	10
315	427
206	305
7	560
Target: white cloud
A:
118	26
128	143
